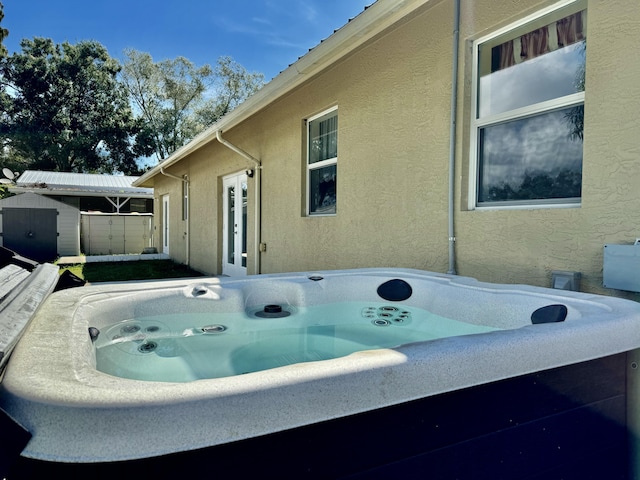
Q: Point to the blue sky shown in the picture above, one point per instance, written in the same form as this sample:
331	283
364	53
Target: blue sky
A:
262	35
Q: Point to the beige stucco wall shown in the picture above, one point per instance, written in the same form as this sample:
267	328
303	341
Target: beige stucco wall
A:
393	98
205	169
391	198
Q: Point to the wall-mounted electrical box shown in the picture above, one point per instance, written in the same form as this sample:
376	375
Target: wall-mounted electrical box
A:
621	269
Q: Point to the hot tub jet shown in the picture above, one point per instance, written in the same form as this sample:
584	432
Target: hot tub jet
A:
272	311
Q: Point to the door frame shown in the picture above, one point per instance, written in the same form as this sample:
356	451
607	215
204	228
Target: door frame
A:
234	263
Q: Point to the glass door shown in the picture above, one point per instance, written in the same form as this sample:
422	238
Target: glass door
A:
234	243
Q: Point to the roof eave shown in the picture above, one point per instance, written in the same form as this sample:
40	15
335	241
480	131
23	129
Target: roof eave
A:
80	193
375	19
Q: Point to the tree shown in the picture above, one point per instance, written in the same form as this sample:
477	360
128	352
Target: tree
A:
65	110
177	100
233	86
3	33
164	95
565	183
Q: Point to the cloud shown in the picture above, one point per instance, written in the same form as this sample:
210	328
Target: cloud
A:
287	24
536	144
543	78
261	21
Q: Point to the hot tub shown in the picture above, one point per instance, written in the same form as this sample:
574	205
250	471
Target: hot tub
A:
128	371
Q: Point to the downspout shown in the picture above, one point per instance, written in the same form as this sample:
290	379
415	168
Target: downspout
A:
257	215
184	179
452	137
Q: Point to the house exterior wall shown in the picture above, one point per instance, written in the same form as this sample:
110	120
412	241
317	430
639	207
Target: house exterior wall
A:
377	190
68	221
392	158
393	99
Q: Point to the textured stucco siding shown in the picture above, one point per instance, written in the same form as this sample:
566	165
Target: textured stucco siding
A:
392	159
205	169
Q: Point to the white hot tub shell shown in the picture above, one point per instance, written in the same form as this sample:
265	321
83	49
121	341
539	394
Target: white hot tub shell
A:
76	413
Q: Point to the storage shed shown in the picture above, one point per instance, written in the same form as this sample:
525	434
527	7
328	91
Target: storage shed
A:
83	194
112	234
39	227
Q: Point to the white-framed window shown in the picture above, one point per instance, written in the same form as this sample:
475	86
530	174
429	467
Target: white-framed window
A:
528	111
322	163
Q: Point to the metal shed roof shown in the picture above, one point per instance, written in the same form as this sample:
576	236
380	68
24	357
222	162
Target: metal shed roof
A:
80	184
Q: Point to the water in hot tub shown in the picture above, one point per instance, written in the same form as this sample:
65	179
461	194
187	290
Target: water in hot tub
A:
186	347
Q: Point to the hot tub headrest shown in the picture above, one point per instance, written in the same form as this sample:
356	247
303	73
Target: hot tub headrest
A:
395	290
549	314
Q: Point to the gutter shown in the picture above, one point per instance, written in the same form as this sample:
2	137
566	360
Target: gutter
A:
258	194
184	179
452	137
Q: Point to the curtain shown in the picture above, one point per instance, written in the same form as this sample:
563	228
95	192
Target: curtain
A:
564	32
534	44
323	138
328	138
506	57
570	30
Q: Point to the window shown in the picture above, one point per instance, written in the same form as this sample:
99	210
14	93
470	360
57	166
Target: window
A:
322	163
140	205
185	199
527	134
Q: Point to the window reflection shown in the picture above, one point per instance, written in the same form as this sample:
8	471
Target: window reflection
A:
244	223
323	134
540	65
231	215
533	158
322	190
529	118
322	162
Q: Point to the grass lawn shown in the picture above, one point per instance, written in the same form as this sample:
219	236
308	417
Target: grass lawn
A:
134	270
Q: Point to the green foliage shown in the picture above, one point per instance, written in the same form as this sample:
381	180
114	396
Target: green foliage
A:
176	100
164	95
3	33
64	109
74	108
233	85
4	192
